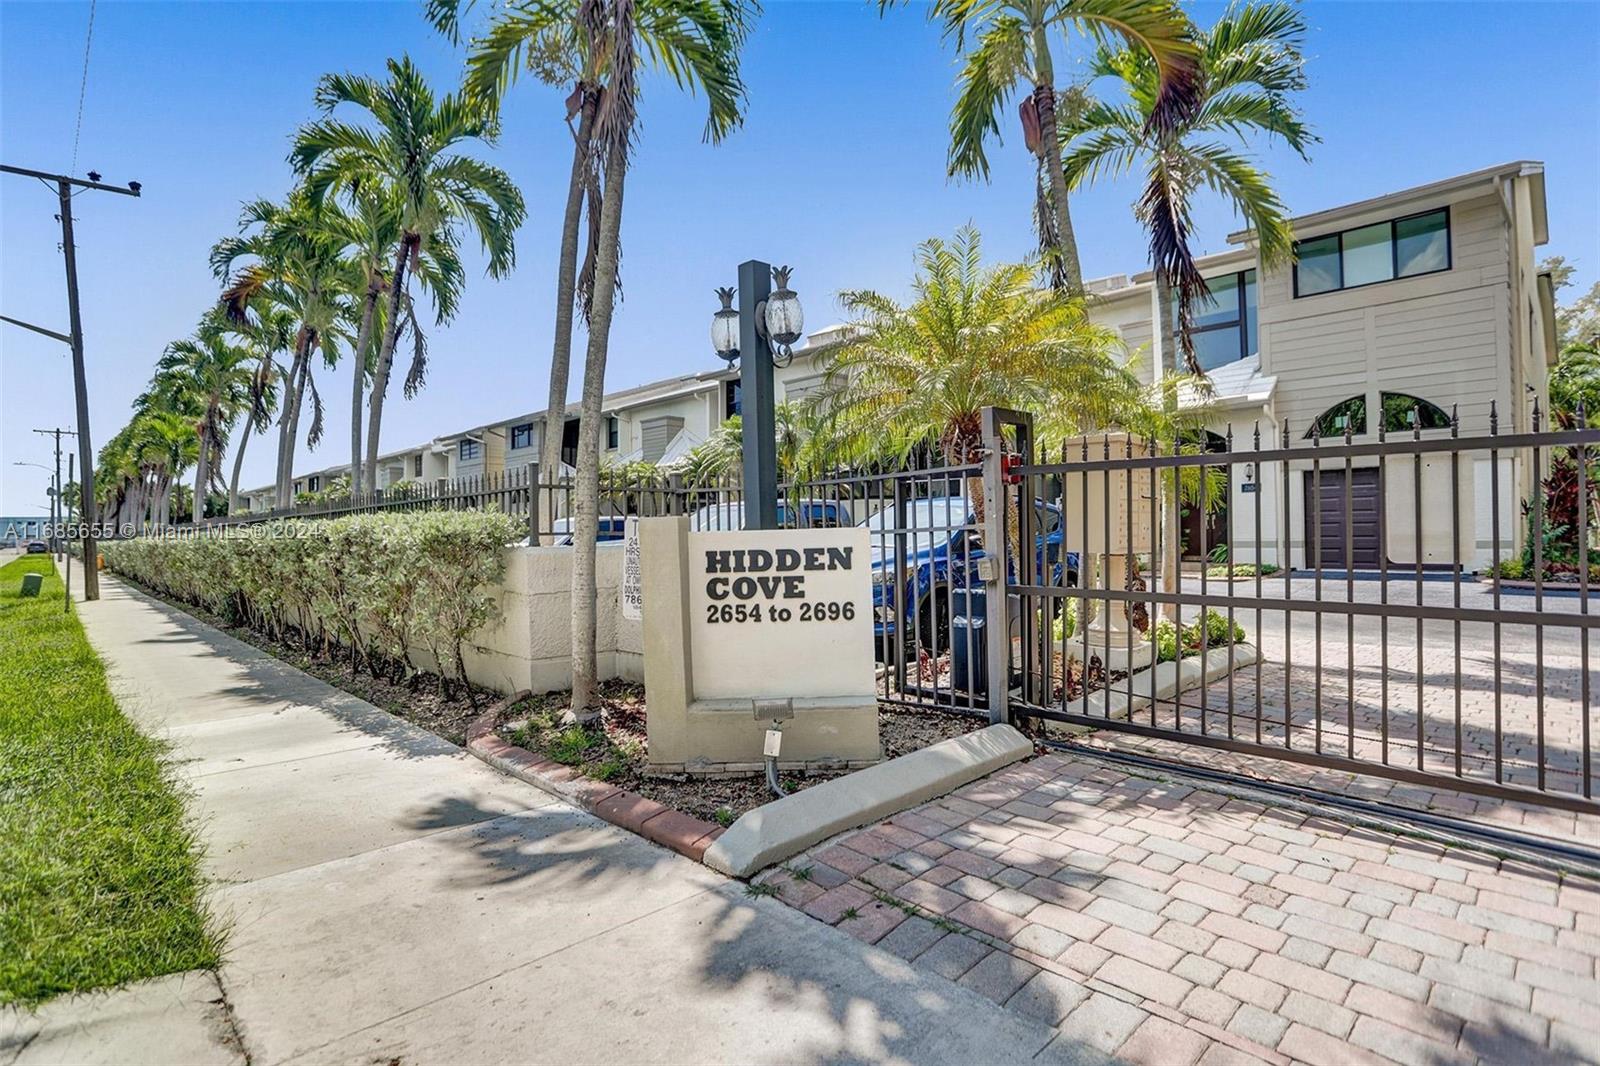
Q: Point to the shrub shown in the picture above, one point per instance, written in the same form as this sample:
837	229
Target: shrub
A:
376	585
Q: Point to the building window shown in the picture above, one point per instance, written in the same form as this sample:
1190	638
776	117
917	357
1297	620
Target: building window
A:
470	449
1224	327
732	399
1401	414
522	436
1400	248
313	484
416	466
613	432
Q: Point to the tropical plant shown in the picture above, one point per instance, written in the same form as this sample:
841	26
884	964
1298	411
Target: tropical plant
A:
270	333
568	43
1575	383
1252	64
803	450
296	264
973	336
214	374
434	190
1013	46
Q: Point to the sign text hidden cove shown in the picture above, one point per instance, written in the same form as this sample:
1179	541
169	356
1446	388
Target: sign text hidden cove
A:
756	573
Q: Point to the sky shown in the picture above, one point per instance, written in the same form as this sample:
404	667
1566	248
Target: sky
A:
838	171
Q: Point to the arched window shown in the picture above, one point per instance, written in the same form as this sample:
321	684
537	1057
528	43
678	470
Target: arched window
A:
1401	413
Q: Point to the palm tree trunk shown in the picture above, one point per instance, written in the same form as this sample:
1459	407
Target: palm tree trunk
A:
380	374
296	405
1050	145
586	520
202	474
245	432
1166	364
566	286
358	381
288	419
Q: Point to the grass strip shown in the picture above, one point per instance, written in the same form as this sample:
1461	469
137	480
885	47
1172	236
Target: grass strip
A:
100	878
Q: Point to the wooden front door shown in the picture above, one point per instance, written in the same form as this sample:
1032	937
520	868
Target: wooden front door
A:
1362	501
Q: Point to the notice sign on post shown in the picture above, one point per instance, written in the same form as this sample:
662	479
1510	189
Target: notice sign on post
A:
780	613
632	579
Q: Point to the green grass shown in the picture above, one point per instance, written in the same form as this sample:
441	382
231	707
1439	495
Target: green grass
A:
100	878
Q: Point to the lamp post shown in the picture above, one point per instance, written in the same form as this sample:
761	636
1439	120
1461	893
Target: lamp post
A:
759	334
52	491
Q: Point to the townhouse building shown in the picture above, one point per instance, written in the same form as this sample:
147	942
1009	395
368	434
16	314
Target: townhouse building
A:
1397	311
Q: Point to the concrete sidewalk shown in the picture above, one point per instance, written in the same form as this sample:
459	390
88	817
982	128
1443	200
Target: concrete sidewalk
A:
392	899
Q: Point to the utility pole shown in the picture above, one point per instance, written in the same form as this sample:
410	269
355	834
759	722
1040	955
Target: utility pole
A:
64	185
55	503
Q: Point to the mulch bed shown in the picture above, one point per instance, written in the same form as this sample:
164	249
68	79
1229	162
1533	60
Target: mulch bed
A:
615	752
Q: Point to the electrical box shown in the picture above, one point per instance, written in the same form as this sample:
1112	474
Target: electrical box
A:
31	584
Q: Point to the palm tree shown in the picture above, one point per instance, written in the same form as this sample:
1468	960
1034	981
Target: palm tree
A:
973	336
214	374
1013	46
564	43
408	156
298	265
270	334
1252	63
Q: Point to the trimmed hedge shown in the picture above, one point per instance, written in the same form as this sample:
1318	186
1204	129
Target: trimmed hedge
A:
375	585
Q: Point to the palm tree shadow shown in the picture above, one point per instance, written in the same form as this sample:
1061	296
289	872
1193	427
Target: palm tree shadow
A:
815	994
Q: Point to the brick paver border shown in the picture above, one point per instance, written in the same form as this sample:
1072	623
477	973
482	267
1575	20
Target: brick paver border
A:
667	826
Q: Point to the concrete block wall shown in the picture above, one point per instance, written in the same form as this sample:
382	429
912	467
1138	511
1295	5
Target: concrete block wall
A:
530	646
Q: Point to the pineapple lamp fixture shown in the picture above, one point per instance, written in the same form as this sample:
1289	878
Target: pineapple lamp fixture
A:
778	319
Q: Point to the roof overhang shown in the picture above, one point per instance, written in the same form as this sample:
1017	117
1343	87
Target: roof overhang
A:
1452	187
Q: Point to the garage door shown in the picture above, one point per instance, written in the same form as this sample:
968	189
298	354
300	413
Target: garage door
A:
1362	502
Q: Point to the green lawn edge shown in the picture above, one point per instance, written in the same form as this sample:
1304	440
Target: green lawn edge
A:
100	867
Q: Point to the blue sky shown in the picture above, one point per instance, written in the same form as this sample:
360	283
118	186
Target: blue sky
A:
839	171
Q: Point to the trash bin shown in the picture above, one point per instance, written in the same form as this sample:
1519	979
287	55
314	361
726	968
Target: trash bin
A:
969	670
31	584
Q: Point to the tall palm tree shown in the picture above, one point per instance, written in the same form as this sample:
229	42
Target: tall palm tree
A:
409	156
564	43
973	336
1253	64
297	263
270	334
1013	46
599	45
214	374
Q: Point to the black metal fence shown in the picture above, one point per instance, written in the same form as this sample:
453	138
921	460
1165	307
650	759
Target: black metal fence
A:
1416	605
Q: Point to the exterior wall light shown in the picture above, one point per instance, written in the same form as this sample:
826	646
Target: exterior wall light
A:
783	318
725	327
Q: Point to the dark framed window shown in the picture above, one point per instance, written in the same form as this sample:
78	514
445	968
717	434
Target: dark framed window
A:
1224	327
416	466
732	399
613	432
1401	414
1404	247
522	436
470	449
313	484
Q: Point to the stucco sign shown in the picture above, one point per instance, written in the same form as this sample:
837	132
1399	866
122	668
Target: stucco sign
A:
780	613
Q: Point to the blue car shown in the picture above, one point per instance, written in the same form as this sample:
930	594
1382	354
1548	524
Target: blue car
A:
805	514
942	554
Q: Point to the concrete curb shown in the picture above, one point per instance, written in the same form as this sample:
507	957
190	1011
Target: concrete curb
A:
683	833
786	827
1167	680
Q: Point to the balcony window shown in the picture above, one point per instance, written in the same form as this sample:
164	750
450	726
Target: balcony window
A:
522	436
1224	328
470	449
1400	248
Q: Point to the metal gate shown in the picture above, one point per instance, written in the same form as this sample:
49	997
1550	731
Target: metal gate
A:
1413	649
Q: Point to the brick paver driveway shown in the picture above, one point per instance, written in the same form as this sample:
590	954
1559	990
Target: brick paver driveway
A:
1325	680
1172	925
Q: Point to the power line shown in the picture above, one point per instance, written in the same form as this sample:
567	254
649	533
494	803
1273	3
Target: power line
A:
83	86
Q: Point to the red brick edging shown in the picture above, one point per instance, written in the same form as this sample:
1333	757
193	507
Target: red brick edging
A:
666	826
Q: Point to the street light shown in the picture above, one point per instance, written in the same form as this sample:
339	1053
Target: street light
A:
761	331
51	492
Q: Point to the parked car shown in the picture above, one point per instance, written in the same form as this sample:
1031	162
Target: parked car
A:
941	554
37	547
802	514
